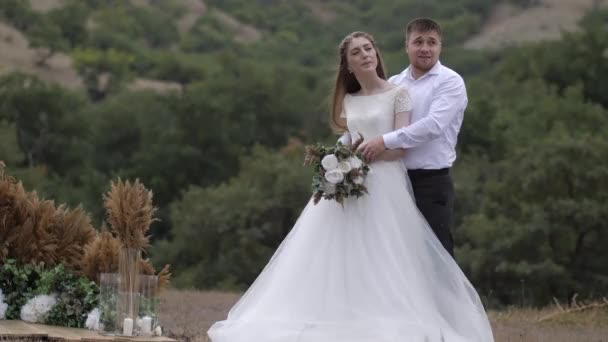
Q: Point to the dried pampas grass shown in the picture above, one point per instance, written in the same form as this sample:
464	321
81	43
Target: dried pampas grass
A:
33	230
130	213
101	256
164	275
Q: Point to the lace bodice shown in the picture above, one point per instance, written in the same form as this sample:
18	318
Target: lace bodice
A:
374	115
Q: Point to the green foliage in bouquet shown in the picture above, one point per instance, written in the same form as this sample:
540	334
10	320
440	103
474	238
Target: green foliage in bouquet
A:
76	296
339	171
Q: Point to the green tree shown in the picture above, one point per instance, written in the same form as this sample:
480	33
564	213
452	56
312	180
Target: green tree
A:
531	168
541	229
18	13
46	118
136	136
103	72
224	235
47	39
9	149
578	58
71	19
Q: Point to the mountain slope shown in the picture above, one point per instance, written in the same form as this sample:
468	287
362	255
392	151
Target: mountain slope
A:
512	25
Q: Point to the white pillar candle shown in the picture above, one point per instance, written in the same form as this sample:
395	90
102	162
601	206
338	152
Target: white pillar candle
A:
127	327
146	325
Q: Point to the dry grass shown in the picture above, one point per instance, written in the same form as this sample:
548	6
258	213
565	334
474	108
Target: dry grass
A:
195	9
163	87
45	5
512	25
525	325
320	10
243	33
186	316
17	55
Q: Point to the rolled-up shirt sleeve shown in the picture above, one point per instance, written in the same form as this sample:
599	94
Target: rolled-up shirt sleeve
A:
447	103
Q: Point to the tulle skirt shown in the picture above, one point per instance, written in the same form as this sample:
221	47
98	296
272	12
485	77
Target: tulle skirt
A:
371	270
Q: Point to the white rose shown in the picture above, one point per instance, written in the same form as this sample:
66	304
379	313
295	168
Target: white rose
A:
344	167
36	309
334	176
329	162
92	322
358	180
355	162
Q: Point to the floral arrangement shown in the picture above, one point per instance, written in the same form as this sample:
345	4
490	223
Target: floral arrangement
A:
339	171
51	296
51	256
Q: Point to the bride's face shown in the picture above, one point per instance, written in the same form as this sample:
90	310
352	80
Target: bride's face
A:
361	56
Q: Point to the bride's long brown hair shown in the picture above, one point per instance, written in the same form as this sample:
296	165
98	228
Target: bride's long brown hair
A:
346	82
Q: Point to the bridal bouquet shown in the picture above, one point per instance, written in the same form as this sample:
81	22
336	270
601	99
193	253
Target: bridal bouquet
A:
339	171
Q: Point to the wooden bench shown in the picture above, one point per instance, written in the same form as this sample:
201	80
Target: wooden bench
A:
23	331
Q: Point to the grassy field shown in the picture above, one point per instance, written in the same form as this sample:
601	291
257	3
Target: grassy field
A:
186	316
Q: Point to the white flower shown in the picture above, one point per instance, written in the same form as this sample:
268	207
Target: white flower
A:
158	331
92	322
329	188
355	162
334	176
37	308
344	167
329	162
358	180
3	306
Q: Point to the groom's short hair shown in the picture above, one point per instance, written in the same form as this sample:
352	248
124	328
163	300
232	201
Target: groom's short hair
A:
422	25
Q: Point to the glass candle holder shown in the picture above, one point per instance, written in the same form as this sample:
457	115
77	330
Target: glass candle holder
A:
109	283
147	319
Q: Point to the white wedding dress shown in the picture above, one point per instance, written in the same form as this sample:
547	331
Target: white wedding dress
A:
371	271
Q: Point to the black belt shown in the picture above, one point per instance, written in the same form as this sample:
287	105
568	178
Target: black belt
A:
428	172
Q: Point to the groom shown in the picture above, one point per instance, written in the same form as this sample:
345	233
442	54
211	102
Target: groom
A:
439	99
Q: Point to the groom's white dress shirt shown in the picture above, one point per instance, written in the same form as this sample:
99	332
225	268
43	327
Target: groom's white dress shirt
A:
439	99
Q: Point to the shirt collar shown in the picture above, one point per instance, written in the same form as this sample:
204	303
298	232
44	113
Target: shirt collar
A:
434	71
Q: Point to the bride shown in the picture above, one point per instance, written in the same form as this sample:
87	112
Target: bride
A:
372	270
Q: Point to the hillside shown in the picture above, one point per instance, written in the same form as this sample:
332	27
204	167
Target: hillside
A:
546	20
17	55
225	24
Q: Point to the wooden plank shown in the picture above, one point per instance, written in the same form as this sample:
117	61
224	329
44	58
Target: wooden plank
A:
20	329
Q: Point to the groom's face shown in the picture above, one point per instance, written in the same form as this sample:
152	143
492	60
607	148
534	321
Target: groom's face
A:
423	49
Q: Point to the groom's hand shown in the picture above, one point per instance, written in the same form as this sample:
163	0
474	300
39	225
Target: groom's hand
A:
370	150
